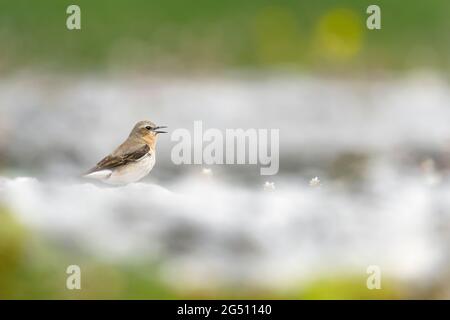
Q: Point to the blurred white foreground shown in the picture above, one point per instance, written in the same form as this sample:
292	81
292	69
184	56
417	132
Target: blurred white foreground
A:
206	230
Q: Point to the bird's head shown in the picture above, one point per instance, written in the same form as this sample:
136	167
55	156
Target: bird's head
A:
147	131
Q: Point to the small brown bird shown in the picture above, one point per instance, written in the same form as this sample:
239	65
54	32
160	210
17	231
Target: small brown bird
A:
132	160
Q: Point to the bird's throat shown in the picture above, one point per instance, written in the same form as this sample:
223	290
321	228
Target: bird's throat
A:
150	140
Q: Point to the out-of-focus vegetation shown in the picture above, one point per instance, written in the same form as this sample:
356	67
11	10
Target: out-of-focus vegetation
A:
182	35
347	286
32	268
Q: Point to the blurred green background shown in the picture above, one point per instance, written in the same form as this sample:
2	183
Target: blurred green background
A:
178	35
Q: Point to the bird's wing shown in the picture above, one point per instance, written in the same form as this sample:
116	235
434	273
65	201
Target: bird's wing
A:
121	158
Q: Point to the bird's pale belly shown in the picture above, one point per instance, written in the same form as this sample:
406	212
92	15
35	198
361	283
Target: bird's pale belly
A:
132	172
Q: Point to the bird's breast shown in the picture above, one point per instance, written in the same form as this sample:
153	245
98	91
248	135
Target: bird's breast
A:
133	171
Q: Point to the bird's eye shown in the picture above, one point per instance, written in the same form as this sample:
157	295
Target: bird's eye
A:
148	128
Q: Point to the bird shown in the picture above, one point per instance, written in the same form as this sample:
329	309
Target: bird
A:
132	160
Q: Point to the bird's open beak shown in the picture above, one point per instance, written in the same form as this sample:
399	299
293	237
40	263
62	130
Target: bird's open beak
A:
160	131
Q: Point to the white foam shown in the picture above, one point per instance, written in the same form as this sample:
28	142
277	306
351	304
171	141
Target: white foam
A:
243	233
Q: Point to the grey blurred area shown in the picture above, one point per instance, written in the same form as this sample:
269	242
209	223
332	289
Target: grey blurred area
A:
59	126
